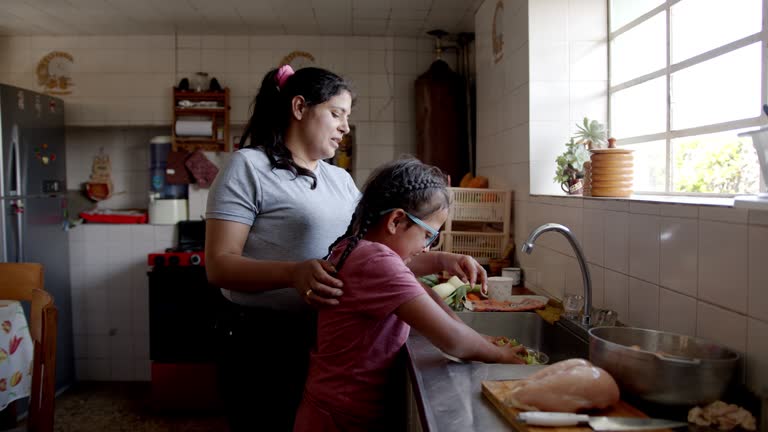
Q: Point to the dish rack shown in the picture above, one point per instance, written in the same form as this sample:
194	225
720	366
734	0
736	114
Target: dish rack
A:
482	206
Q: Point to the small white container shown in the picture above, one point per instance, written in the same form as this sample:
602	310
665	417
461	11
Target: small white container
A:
167	211
500	287
513	273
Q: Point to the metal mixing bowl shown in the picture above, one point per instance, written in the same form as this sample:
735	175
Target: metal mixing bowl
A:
663	367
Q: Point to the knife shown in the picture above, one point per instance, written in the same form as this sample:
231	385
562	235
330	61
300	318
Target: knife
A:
539	418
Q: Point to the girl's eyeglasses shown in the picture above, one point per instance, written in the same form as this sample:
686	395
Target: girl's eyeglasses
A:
433	232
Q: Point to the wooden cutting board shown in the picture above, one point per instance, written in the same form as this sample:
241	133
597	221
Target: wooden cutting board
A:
494	391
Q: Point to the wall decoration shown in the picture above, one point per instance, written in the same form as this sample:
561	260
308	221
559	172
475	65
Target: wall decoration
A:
298	60
497	33
54	73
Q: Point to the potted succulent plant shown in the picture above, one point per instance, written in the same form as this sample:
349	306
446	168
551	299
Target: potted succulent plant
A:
570	165
591	134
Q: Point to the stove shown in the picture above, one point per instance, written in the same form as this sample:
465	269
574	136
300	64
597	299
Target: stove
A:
183	310
173	257
189	250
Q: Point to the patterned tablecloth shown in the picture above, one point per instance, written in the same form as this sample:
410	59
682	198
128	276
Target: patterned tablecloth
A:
16	351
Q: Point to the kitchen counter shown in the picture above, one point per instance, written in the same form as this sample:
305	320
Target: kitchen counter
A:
448	396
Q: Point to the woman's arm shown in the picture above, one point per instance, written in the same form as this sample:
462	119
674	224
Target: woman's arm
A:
453	337
228	268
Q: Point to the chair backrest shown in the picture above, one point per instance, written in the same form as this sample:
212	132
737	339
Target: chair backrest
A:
24	282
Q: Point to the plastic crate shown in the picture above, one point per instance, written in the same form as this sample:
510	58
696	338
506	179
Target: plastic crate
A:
480	205
481	246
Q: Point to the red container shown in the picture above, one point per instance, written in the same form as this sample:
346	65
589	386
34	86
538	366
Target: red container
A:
115	217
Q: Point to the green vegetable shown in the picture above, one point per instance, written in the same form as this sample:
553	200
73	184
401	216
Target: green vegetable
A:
455	281
476	288
531	359
429	280
456	299
444	290
507	341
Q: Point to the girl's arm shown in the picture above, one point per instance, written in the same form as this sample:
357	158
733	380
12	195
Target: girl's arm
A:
228	268
440	302
453	337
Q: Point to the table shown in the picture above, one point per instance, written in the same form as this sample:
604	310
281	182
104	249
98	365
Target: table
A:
16	353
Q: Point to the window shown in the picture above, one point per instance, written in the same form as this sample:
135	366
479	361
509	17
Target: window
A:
685	78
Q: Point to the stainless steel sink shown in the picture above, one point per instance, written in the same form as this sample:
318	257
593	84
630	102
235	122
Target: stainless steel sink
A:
555	340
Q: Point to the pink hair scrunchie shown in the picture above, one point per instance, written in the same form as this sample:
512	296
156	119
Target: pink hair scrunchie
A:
283	74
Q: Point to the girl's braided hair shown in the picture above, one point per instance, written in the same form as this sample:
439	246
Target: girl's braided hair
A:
407	184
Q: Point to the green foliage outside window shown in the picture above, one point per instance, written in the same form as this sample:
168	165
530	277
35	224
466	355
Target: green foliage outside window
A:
727	166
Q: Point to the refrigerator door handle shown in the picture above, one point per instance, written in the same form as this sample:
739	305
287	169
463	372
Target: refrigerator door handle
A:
14	189
14	164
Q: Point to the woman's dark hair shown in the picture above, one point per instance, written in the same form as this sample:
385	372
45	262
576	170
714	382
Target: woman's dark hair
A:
407	184
272	112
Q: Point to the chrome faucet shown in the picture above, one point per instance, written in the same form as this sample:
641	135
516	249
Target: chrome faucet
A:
586	320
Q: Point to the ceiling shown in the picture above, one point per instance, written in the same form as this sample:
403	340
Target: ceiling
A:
243	17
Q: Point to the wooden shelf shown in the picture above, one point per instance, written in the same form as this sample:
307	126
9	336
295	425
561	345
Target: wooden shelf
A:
219	116
180	110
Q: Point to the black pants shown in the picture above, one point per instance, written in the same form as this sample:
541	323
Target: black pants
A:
262	367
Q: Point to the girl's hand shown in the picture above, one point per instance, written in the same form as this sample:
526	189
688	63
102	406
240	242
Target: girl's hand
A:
512	354
315	282
465	268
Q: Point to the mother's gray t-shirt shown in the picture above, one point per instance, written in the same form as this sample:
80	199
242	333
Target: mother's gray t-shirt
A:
288	220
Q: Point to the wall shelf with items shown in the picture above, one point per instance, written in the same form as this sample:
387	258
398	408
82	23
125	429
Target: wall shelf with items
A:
201	120
476	210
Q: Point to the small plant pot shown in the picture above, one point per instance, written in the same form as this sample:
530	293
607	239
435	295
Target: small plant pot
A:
573	186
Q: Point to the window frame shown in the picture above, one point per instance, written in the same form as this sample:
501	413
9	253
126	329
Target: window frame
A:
667	72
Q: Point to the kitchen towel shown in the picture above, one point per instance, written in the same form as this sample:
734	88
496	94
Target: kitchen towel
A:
203	170
175	170
194	128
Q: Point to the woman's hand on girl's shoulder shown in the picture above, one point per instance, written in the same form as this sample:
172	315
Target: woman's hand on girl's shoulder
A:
316	283
465	268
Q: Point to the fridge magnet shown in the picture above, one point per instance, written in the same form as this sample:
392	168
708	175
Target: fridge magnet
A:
54	73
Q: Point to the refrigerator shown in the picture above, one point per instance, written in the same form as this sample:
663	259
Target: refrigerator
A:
33	219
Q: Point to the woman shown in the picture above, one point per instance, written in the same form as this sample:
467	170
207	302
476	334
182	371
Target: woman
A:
272	213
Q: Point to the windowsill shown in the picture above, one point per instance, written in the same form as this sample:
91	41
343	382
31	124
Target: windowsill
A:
664	199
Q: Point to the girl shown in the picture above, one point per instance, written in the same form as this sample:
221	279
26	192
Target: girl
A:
403	205
272	212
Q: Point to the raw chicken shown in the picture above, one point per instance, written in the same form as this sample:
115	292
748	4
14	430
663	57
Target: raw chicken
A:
567	386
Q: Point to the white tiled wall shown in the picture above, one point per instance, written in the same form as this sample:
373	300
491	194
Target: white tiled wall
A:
568	78
128	150
696	270
110	298
127	80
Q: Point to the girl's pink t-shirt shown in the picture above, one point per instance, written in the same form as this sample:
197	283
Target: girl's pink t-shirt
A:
359	339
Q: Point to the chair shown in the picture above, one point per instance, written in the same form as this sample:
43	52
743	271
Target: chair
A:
24	282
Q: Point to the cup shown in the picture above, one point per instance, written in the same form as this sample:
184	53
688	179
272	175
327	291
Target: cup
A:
500	287
513	273
572	305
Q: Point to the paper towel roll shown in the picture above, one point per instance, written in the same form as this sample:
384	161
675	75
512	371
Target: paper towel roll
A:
194	128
